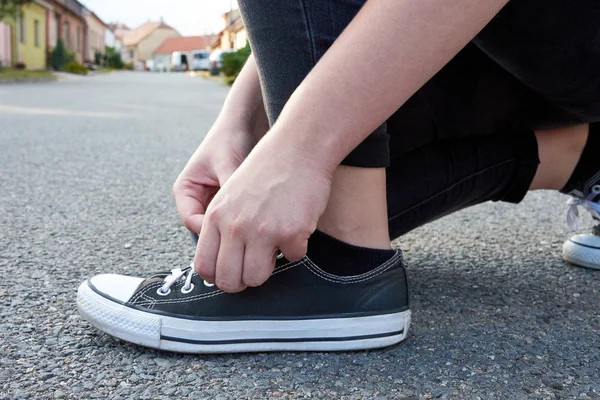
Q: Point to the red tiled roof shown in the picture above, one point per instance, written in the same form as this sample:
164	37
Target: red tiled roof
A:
133	37
184	43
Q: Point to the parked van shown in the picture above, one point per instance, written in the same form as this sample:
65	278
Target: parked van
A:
200	61
180	61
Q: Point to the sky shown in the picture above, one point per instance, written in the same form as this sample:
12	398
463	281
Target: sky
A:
189	17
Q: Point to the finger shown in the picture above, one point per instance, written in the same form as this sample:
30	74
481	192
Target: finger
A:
205	260
192	200
295	249
228	276
191	211
259	262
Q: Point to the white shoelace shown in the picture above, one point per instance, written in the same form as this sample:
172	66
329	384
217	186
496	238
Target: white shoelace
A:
591	206
177	274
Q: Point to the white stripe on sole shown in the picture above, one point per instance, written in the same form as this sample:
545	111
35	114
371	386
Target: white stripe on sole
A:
193	336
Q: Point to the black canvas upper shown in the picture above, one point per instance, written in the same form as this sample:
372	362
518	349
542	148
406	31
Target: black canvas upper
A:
295	290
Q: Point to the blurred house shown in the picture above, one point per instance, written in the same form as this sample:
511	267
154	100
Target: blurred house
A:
67	22
110	39
184	44
142	42
6	44
233	36
118	31
23	38
95	36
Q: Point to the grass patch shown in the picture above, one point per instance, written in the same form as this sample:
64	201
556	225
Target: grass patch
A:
12	74
104	70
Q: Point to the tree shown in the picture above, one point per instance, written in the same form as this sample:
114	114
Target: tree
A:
112	58
8	8
60	56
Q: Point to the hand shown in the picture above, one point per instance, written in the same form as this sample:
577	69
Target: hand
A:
272	202
211	165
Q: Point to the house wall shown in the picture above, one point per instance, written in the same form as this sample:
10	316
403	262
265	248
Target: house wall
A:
52	30
241	37
6	44
150	43
31	36
109	38
95	37
163	60
70	28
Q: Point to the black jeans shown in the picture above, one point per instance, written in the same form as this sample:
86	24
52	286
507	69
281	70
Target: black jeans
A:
467	136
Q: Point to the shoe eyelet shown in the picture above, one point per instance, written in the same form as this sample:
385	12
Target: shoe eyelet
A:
184	291
279	255
596	188
160	292
208	284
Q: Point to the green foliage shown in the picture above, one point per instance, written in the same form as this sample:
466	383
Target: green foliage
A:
98	58
112	58
75	68
233	63
59	56
129	66
8	8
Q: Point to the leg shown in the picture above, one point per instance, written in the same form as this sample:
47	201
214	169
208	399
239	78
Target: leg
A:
356	213
560	150
457	174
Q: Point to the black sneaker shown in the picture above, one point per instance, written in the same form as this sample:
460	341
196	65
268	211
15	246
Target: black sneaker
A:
301	307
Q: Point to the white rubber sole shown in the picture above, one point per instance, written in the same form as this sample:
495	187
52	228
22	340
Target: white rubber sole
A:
579	254
194	336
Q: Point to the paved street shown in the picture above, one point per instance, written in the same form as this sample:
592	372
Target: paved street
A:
86	168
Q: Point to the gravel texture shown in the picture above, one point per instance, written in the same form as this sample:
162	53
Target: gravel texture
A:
86	168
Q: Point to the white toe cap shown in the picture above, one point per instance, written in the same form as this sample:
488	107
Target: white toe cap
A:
587	239
119	287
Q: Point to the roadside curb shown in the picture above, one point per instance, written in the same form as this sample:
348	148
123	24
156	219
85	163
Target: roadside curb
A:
28	80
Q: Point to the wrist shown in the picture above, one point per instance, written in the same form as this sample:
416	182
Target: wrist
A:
293	151
317	150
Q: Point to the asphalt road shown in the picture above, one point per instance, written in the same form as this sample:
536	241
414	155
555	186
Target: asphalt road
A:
86	168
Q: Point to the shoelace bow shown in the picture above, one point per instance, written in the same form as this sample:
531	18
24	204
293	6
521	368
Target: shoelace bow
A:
573	211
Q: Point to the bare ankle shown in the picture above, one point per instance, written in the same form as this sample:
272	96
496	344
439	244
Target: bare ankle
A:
357	208
559	152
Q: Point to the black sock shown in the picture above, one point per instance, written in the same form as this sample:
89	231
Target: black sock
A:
339	258
587	171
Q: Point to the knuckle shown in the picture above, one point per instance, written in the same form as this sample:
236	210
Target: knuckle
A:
180	185
237	228
256	278
262	229
228	286
213	214
204	271
287	233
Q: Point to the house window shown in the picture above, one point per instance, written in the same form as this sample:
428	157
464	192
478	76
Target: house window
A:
36	25
22	29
